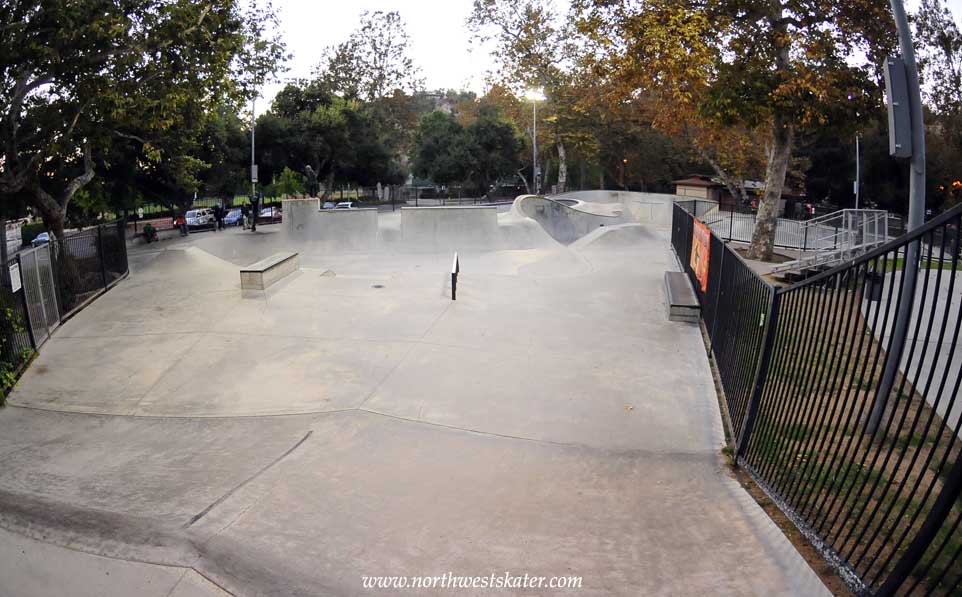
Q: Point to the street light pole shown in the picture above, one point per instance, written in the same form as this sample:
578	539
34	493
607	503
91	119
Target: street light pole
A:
858	171
910	268
534	147
253	165
534	95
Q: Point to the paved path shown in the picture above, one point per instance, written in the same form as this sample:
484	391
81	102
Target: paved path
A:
354	421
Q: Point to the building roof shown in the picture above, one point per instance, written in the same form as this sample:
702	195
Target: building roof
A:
697	180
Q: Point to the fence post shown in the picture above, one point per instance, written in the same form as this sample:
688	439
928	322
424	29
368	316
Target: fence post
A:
761	375
927	532
731	224
718	292
25	303
103	260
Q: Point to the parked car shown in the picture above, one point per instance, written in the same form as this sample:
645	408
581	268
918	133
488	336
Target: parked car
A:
327	205
234	218
271	214
198	218
41	239
344	205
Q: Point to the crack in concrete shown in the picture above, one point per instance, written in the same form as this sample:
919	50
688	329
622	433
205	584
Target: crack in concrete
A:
237	487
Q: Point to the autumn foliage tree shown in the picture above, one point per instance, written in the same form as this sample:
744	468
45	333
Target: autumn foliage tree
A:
744	74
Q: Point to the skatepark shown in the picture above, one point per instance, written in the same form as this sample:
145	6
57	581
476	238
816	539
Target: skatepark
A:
182	436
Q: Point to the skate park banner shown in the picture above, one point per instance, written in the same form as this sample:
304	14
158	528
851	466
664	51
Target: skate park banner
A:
700	245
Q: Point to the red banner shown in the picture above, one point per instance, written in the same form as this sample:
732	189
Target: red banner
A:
700	246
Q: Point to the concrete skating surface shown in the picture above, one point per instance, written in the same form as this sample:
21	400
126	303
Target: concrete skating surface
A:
354	421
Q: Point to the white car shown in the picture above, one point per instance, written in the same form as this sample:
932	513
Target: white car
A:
344	205
200	217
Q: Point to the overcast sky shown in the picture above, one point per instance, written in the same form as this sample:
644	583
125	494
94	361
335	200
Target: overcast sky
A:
440	43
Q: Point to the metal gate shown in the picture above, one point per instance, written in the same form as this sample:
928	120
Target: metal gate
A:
36	274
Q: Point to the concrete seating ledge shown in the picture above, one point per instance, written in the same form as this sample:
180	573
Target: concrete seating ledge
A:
260	275
681	299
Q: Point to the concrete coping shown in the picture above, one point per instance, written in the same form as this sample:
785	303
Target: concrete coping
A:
451	207
269	262
353	209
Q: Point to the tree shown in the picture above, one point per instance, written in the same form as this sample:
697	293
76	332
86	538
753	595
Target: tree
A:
291	183
531	50
131	70
939	43
442	149
224	151
768	70
494	147
373	62
340	138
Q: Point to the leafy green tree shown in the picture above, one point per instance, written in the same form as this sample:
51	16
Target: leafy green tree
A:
373	62
940	61
494	147
443	149
291	183
224	149
532	50
77	77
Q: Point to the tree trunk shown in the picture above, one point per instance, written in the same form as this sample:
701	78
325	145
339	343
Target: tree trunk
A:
327	187
50	210
783	136
562	168
545	171
527	187
53	210
763	239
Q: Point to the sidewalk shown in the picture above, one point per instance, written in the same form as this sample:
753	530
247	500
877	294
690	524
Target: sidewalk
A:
29	568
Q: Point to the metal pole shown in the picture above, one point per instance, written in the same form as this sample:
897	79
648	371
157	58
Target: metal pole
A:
916	219
25	303
253	184
858	171
103	258
534	146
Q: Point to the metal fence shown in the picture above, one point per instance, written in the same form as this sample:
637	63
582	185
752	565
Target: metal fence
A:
799	235
87	262
49	282
852	432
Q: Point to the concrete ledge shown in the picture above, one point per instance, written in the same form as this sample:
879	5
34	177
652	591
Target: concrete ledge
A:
260	275
681	299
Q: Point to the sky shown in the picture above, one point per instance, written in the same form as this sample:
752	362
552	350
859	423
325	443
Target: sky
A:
440	42
441	45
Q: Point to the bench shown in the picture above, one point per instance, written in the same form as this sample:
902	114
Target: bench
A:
260	275
680	296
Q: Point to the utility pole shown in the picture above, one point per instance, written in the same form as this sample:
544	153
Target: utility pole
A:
910	268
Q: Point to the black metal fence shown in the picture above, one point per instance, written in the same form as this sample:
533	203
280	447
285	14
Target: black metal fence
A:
47	283
87	262
850	425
